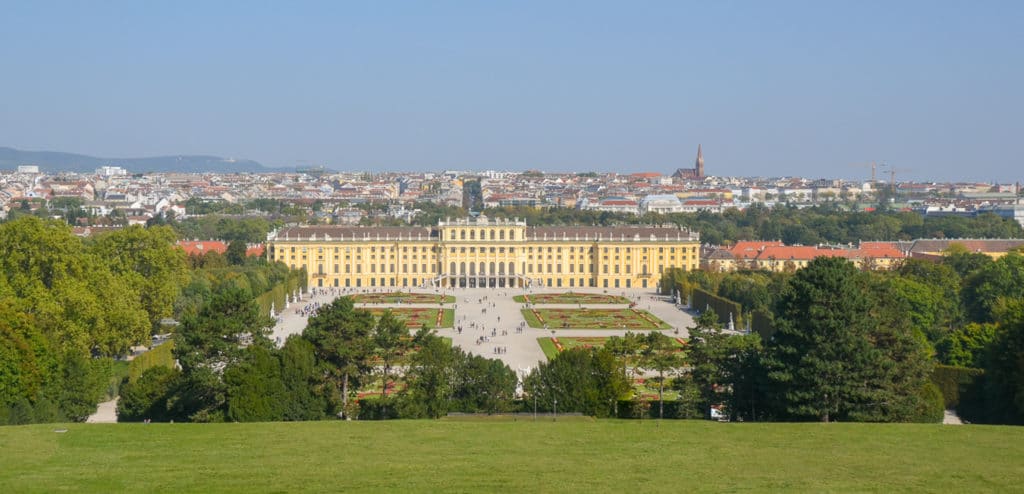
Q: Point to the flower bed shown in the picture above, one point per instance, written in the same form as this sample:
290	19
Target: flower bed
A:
571	298
401	298
592	319
416	318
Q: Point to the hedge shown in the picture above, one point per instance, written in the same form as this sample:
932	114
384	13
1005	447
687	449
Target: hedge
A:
159	356
762	323
702	299
954	381
275	297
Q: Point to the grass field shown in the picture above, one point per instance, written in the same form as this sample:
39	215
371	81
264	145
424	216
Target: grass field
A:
496	455
571	298
415	318
551	349
401	298
592	319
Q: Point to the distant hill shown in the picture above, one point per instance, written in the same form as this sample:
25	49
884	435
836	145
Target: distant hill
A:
51	162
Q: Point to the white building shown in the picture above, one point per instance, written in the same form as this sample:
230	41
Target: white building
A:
661	203
28	169
111	171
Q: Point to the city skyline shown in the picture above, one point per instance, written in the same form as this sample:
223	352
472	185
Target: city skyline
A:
788	89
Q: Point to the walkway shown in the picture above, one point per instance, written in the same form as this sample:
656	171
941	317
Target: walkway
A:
482	312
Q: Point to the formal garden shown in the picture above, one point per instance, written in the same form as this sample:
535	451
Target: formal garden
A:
592	319
552	345
418	317
401	298
571	298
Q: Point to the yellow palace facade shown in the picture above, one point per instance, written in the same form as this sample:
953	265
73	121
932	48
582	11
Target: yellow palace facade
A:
482	252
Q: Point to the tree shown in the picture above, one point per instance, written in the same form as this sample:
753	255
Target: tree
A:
835	355
482	384
303	381
1004	366
391	338
987	286
147	397
150	263
661	355
255	391
963	261
213	338
342	337
581	380
724	368
966	346
236	253
209	342
431	380
81	386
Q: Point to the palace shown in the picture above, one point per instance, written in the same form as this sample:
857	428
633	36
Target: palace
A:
482	252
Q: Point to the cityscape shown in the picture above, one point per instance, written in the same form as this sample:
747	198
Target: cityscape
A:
511	247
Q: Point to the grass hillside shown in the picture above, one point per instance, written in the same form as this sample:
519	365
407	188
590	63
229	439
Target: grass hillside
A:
578	455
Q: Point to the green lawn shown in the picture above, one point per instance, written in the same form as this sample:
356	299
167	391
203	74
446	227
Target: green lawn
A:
592	319
401	298
571	298
548	347
415	318
504	456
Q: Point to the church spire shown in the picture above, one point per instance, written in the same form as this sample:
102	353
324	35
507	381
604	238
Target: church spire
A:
699	167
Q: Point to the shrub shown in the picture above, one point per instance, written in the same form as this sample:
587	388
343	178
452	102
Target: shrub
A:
953	381
932	407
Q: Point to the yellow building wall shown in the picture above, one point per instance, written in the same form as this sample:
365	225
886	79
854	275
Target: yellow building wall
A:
510	260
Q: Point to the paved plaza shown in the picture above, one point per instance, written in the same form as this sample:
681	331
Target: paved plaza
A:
489	319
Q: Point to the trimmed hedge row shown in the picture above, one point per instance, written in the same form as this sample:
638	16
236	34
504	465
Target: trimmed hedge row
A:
954	381
702	299
159	356
275	297
761	322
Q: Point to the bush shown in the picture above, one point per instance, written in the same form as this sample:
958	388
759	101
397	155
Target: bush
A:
159	356
702	299
954	381
932	408
146	398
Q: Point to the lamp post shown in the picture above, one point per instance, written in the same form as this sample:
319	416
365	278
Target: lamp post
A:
555	417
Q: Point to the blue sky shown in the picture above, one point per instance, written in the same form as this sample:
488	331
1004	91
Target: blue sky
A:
768	88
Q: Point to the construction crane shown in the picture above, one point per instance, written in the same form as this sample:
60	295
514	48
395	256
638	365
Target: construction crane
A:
892	176
873	166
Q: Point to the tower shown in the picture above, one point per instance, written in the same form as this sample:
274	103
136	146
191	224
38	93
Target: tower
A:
699	166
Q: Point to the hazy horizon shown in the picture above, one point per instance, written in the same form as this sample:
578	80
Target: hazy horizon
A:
780	89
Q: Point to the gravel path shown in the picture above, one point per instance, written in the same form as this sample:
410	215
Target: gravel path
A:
106	413
487	313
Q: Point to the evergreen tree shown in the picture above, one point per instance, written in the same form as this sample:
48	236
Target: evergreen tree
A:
343	340
820	362
255	391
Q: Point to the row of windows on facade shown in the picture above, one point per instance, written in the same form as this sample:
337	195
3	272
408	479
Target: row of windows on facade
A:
528	268
550	257
453	250
551	282
461	233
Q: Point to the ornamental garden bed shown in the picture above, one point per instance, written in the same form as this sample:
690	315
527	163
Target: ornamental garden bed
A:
552	346
631	318
401	298
416	318
571	298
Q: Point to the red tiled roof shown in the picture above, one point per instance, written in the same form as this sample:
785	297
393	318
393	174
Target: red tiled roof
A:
748	250
203	246
200	247
799	252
